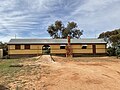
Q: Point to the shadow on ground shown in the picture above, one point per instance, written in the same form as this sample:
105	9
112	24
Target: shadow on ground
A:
3	88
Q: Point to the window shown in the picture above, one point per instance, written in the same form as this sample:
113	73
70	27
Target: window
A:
62	46
27	46
17	46
84	46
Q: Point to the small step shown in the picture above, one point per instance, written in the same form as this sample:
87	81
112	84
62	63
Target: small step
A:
46	58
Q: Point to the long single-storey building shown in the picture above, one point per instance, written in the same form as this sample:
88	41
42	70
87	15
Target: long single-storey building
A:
32	47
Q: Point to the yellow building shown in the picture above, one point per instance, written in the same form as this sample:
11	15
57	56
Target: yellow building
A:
34	47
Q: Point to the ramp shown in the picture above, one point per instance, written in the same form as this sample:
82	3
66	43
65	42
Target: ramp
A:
46	59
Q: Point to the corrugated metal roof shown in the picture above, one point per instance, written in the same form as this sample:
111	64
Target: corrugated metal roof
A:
54	41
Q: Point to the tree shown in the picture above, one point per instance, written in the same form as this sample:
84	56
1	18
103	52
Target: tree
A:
4	47
112	37
57	30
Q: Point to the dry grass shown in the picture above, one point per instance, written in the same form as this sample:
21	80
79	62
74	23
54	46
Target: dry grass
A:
79	73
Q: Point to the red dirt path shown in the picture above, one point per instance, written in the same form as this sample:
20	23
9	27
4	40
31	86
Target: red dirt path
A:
83	73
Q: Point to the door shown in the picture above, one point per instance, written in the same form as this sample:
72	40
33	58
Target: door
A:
94	49
46	49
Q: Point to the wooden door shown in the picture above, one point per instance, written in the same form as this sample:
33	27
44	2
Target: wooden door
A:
94	49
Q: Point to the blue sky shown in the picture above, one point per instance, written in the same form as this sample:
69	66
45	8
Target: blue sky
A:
30	18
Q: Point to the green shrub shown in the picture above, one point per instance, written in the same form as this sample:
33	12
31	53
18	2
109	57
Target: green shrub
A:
111	51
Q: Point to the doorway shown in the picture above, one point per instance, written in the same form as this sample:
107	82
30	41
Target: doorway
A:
46	49
94	49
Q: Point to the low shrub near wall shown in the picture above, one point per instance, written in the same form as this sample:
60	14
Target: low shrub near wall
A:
111	51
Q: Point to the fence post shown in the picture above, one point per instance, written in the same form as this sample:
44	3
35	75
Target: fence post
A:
1	53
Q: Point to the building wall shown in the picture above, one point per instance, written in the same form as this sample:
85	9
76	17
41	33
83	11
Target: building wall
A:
34	49
78	49
55	49
101	48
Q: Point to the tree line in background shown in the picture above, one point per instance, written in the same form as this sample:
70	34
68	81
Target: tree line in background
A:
59	31
112	37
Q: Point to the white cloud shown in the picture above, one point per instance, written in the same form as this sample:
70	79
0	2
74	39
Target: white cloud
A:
34	16
7	5
97	16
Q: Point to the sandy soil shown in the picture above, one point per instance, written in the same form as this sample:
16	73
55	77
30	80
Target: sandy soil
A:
83	73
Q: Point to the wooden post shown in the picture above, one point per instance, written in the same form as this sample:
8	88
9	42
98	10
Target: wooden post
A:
1	53
68	38
68	48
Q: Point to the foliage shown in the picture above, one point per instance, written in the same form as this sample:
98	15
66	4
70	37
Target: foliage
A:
118	51
113	36
58	30
4	47
111	51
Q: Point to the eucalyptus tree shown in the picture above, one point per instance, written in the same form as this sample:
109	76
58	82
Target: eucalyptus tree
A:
58	30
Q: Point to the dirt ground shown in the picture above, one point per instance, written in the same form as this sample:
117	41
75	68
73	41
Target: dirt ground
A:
60	73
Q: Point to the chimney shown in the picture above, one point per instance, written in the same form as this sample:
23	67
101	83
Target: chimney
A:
68	38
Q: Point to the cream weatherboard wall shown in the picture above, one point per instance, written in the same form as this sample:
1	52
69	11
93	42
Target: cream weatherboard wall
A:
34	49
101	48
55	49
78	49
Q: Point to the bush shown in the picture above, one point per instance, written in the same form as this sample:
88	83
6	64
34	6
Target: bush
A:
111	51
4	47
